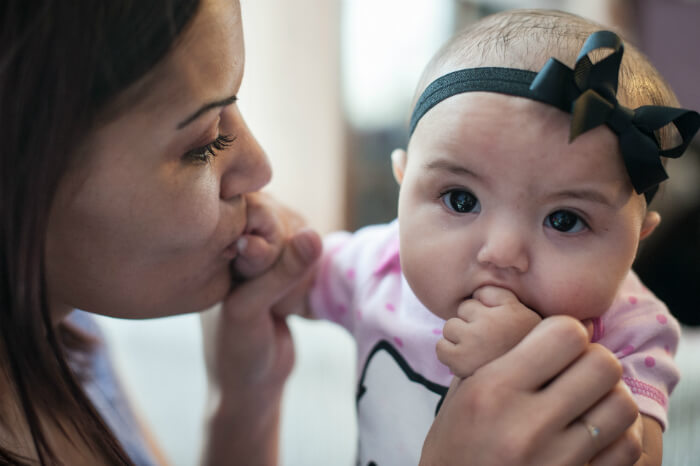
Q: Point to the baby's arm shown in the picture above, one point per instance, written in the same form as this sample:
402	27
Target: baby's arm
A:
486	327
652	442
643	335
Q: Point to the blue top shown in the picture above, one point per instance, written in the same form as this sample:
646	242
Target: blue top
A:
107	395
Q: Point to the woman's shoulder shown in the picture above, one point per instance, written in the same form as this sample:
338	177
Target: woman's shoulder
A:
102	385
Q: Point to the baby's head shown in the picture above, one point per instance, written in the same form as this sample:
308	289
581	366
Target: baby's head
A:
494	192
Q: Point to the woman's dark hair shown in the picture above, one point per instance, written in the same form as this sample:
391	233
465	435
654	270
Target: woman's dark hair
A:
61	64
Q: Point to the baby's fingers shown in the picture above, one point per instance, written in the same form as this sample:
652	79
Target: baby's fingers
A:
492	296
455	330
255	255
251	298
453	356
459	348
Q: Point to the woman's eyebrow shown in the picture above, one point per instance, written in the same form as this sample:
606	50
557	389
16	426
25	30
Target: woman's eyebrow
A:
206	108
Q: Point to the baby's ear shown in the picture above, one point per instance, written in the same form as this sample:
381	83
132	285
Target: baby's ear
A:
651	221
398	164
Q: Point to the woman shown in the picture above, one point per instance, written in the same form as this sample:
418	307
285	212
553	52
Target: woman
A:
127	173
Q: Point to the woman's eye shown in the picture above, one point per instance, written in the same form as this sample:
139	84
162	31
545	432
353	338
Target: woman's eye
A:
460	201
565	221
207	152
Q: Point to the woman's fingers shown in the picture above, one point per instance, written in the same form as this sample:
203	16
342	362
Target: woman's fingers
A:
546	351
590	378
609	432
557	399
627	449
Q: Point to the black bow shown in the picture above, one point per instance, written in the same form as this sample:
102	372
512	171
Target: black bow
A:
589	92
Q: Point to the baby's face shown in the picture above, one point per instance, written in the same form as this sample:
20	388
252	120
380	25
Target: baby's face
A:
493	193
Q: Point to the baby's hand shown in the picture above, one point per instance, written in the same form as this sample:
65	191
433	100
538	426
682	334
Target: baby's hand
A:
269	225
486	327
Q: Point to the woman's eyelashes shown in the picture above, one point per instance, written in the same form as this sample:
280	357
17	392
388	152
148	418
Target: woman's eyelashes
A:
566	221
208	151
460	201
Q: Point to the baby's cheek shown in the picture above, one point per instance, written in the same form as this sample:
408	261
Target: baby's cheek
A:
428	282
585	298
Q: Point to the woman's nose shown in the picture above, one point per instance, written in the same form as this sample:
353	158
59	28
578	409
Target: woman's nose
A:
505	246
248	169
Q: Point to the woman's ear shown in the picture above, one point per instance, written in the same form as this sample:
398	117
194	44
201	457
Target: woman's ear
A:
651	221
398	164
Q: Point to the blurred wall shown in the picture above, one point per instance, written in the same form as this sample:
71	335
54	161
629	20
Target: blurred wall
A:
290	98
669	32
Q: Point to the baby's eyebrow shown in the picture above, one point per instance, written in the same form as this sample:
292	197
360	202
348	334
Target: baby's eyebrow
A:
584	194
451	167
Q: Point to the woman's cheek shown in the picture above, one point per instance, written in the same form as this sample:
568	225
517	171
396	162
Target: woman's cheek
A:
193	219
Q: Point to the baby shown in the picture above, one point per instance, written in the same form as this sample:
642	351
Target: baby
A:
525	184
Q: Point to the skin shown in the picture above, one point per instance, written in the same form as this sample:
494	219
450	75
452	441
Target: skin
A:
513	155
511	160
137	208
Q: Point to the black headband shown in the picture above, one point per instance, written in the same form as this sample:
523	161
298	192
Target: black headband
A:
588	92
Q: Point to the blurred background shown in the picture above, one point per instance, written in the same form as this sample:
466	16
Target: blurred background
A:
327	91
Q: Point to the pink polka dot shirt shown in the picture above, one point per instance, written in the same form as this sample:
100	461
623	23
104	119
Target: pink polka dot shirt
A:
360	286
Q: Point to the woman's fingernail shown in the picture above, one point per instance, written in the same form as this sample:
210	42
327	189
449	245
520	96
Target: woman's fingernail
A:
241	244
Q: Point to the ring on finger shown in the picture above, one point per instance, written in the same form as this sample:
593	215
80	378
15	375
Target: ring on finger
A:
593	431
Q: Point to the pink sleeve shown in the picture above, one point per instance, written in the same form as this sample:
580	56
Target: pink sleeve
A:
348	262
641	332
331	295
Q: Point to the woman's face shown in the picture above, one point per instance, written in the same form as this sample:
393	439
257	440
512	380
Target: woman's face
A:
144	223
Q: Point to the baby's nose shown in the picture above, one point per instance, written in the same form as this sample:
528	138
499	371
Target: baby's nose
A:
504	247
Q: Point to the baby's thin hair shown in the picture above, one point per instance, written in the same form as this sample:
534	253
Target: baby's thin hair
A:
526	39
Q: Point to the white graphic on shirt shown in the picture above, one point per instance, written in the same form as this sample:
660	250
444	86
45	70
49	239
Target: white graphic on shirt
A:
396	407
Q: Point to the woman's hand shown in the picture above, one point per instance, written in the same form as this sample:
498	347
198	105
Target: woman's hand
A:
539	404
249	354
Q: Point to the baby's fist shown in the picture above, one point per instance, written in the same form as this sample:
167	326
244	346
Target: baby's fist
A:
486	327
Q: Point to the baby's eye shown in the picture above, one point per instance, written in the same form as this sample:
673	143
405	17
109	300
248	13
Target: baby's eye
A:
460	201
565	221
